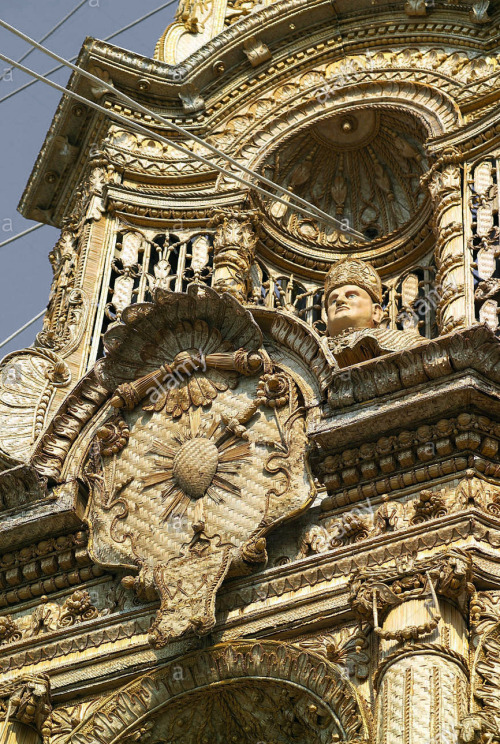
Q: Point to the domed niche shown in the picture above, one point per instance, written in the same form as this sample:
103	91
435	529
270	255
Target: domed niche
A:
246	712
363	167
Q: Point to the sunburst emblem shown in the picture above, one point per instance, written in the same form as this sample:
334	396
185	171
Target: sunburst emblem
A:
196	464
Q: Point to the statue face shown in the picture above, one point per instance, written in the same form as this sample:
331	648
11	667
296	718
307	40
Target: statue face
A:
351	307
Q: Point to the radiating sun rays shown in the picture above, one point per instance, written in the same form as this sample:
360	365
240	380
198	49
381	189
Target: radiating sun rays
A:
200	461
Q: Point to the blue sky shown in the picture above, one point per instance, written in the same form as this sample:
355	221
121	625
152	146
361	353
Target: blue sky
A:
25	273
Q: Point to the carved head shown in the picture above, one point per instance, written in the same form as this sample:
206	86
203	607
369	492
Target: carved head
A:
353	296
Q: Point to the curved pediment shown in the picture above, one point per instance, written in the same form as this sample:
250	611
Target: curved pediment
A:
196	91
153	334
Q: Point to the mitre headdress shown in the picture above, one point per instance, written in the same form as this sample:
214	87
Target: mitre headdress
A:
352	271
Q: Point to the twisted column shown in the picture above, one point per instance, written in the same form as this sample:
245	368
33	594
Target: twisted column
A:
234	251
453	279
24	706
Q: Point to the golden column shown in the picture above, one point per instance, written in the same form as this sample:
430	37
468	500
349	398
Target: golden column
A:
421	677
422	685
234	252
453	263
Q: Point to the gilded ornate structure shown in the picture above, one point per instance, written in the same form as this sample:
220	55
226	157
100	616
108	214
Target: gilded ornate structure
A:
233	507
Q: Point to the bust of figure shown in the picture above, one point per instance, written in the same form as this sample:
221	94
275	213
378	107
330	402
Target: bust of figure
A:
353	302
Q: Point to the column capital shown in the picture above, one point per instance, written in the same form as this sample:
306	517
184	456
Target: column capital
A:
235	230
450	574
234	251
26	700
445	180
444	176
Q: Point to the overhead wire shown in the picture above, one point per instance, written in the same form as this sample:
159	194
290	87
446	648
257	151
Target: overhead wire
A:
144	130
22	234
49	33
106	38
23	328
44	38
305	207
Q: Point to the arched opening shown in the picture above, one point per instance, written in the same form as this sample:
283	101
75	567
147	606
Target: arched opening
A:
362	167
242	692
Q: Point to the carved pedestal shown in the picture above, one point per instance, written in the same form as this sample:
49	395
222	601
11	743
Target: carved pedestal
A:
422	693
234	247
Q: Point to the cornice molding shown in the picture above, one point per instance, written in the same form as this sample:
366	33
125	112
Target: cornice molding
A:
476	348
273	599
311	40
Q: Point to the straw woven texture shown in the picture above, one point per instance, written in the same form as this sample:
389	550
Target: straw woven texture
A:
421	701
234	519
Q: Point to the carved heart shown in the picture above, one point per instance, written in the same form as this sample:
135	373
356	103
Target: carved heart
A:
195	465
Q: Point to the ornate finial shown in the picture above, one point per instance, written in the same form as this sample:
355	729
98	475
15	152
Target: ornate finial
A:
353	271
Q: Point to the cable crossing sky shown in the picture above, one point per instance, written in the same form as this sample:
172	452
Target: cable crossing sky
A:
60	67
52	31
72	59
304	208
22	234
23	328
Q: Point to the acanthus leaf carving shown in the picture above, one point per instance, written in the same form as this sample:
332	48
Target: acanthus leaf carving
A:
483	722
448	574
349	648
26	700
62	721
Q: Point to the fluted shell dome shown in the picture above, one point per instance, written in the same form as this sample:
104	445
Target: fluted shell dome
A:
362	167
